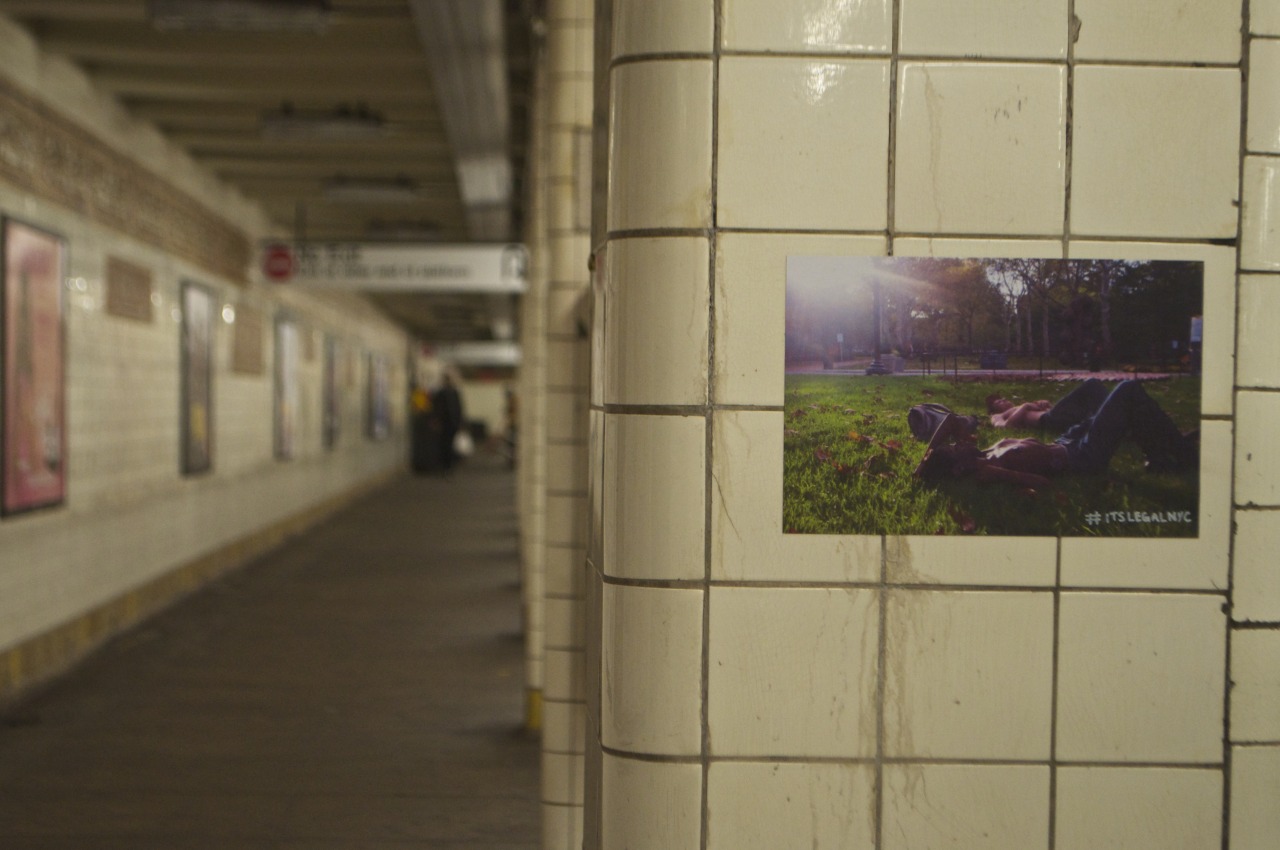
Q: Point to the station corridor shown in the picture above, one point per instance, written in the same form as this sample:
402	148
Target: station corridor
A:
359	687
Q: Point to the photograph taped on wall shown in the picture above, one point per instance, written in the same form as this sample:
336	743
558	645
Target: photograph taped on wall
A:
197	378
1048	397
34	370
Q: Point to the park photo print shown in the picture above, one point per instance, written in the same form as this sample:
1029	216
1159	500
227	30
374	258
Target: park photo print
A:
992	396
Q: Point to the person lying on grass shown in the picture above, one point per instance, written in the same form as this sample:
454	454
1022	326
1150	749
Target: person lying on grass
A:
1127	413
1074	407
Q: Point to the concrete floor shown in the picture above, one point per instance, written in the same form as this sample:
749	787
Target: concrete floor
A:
361	687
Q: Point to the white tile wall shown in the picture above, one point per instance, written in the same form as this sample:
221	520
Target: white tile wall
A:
807	26
1140	678
1260	222
980	148
1155	152
804	660
1263	129
1139	808
803	143
1255	817
660	802
988	28
1258	357
984	807
648	99
978	634
1256	580
651	670
968	675
663	26
1255	692
755	806
654	528
656	307
1257	459
1159	31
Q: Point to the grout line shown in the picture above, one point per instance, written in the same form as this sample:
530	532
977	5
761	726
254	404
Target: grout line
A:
708	412
1232	508
894	54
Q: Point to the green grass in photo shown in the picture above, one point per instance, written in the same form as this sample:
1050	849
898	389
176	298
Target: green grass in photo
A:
848	458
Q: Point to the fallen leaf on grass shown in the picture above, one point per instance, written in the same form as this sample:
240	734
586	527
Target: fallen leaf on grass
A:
967	523
790	432
822	454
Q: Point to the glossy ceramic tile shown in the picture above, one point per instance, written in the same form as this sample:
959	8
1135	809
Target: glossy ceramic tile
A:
1256	581
1191	564
750	293
1263	126
569	48
980	807
1264	17
1155	152
1260	216
980	148
1255	817
561	778
1257	458
663	26
808	26
968	674
563	726
992	561
651	671
755	806
747	543
655	498
1219	306
803	144
1138	808
1140	678
651	806
1258	352
660	145
1255	692
564	624
803	660
656	321
1159	31
564	675
987	28
566	518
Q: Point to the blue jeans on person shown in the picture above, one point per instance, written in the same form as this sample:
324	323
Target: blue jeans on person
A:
1127	413
1075	407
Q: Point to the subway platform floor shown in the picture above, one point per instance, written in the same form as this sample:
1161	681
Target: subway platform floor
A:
359	687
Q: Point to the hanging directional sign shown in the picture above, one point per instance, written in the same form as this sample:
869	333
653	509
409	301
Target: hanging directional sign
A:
382	267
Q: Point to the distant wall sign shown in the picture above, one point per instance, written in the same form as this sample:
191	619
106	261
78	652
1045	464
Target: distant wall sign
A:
396	268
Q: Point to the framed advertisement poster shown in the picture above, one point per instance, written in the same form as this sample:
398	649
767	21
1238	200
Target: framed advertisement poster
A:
332	398
34	373
992	396
286	388
197	379
379	402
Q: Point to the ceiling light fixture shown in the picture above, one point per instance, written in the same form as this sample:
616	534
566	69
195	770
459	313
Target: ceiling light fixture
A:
339	125
240	15
348	190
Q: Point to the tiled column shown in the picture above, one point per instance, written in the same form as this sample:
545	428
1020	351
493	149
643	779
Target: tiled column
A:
569	74
761	689
531	468
1255	612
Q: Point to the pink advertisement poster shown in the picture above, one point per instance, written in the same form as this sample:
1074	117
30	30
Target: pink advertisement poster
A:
34	412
